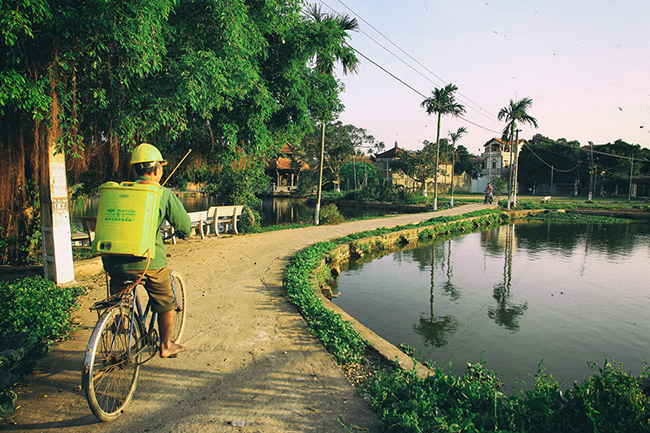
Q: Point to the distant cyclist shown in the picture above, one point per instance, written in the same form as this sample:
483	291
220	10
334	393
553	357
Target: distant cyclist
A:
148	164
488	194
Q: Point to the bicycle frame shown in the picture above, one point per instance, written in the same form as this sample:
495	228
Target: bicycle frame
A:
113	354
148	331
137	314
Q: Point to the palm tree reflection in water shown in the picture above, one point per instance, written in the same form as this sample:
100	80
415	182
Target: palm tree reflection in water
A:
506	313
436	330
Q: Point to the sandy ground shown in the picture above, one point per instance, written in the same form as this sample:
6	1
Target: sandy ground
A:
250	358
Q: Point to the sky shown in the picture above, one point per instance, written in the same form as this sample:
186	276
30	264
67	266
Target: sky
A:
585	64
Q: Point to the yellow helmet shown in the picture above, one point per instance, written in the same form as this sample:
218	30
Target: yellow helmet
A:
146	153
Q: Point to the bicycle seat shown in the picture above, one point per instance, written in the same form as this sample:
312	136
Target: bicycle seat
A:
106	304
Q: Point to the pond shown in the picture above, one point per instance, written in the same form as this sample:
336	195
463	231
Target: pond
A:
273	210
514	295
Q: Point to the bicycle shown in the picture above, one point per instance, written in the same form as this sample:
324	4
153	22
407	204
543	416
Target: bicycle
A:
118	341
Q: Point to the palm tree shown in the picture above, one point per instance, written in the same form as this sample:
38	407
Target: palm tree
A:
512	113
454	136
328	50
442	101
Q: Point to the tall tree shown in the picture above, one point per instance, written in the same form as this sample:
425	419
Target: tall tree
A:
441	102
331	48
513	113
454	136
54	54
232	80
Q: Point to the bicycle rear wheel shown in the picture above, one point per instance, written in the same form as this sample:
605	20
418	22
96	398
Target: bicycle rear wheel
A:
110	372
178	325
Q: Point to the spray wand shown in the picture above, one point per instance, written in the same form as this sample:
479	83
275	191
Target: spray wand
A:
176	168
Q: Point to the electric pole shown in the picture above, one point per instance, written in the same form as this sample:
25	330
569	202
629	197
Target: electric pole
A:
591	173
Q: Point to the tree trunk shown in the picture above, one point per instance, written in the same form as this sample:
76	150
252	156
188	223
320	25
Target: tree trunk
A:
19	219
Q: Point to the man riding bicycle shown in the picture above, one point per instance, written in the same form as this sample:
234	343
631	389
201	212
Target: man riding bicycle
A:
148	164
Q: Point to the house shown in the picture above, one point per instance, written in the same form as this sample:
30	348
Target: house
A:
382	164
497	156
396	177
495	162
284	171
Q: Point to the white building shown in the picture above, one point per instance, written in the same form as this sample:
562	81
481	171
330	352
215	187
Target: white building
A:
496	158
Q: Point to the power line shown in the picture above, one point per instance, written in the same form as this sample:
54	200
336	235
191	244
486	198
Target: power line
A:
414	89
546	163
480	110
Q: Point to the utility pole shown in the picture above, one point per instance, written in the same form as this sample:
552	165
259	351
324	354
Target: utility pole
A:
516	182
489	163
510	172
629	191
552	180
453	160
591	173
320	175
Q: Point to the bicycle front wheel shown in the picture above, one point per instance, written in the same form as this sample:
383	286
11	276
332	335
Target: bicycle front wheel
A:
178	325
110	369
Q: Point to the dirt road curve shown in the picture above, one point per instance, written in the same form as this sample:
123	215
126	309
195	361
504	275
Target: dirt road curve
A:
250	357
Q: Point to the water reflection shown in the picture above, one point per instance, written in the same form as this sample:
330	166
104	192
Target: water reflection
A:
435	330
568	294
506	313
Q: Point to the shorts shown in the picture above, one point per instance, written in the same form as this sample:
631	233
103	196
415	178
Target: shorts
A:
156	282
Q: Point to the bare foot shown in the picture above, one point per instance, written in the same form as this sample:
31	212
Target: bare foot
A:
173	350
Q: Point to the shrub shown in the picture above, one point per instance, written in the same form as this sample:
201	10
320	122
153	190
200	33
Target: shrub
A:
330	215
36	306
33	310
250	221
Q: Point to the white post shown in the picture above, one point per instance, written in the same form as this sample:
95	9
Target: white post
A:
55	217
55	225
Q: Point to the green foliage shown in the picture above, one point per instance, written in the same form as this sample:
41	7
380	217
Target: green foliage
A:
81	253
250	221
608	401
377	191
33	310
573	218
36	306
330	215
18	355
338	336
234	81
571	162
238	185
419	165
364	173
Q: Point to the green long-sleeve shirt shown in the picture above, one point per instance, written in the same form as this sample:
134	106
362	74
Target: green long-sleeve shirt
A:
172	210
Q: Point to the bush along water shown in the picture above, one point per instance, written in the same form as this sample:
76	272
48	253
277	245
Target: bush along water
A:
576	218
35	312
610	400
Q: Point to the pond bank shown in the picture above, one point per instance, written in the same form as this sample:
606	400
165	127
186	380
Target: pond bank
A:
250	355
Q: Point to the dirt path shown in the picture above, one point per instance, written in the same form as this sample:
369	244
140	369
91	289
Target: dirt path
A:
250	357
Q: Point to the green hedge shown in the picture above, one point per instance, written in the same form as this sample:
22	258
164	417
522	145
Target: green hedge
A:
34	312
